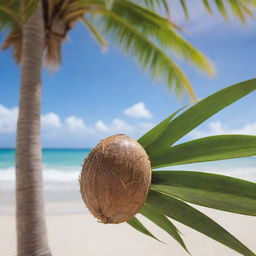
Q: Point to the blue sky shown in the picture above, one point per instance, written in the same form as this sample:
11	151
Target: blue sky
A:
95	94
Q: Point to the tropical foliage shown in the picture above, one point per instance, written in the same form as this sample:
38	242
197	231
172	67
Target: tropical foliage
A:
137	27
170	190
242	9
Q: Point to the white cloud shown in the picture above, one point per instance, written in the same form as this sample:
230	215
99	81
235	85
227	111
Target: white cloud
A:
217	128
119	125
71	131
74	123
50	120
101	126
116	126
138	111
8	119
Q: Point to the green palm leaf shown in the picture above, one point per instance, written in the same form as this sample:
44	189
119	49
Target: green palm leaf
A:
210	190
149	55
9	15
197	114
135	223
96	34
207	6
12	13
221	7
184	7
157	4
149	37
160	29
207	149
238	9
193	218
152	135
163	222
242	9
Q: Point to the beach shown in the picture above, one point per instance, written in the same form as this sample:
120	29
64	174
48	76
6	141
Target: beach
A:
72	231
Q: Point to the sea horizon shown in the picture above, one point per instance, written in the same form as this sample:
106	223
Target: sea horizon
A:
62	166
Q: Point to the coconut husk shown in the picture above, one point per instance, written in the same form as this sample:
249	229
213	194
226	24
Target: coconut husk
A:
115	179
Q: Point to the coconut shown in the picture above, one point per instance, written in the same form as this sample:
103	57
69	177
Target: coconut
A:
115	179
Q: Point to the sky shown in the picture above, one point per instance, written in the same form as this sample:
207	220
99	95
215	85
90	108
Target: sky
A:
95	94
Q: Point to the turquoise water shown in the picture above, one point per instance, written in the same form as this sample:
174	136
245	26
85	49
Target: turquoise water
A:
59	165
64	165
51	157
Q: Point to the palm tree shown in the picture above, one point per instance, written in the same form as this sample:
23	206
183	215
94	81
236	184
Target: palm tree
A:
36	30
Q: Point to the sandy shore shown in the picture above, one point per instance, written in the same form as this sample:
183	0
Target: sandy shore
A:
73	232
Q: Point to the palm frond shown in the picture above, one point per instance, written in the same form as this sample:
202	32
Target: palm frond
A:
195	219
153	135
207	6
164	223
9	14
96	34
194	116
160	30
206	149
184	8
242	9
135	223
209	190
14	39
137	25
169	189
156	5
148	54
221	8
53	50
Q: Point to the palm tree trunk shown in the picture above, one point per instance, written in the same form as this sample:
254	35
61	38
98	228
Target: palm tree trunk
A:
30	216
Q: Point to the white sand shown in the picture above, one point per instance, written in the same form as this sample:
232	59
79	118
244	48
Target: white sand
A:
73	232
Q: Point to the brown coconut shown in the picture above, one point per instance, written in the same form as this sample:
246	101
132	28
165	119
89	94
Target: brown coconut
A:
115	179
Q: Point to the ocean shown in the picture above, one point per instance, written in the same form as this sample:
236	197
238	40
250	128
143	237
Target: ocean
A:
59	165
63	167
